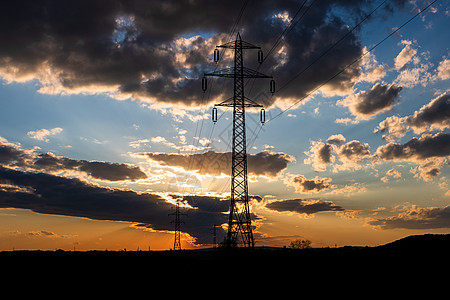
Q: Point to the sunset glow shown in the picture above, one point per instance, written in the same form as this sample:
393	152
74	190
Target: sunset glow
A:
104	125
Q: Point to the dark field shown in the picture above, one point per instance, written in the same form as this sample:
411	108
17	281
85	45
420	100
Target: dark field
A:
418	248
413	260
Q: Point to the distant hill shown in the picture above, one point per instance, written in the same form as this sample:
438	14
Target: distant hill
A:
426	242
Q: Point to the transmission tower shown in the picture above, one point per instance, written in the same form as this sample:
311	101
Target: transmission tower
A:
214	236
177	222
239	222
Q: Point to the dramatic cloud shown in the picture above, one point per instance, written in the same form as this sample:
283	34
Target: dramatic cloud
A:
411	77
367	104
395	126
319	156
444	69
413	67
371	70
351	155
13	156
433	116
302	206
49	194
336	139
42	134
59	195
391	173
417	149
307	186
353	151
152	51
429	168
265	163
415	217
47	234
404	56
429	151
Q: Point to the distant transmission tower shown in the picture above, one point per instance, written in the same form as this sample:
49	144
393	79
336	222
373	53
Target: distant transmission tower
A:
239	222
177	222
214	236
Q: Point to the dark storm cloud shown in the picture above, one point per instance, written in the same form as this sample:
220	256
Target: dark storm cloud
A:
72	197
369	103
315	185
49	194
416	218
417	149
137	48
265	163
302	206
14	156
11	155
336	139
111	171
353	151
378	98
430	151
434	115
324	153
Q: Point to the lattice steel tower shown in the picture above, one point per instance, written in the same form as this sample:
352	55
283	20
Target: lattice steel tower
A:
177	222
239	223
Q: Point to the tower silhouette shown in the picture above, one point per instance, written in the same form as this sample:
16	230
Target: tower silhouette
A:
239	222
177	222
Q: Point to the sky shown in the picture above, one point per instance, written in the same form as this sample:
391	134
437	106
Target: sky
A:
104	125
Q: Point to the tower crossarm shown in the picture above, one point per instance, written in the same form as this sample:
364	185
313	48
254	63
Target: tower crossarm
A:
238	43
230	73
230	103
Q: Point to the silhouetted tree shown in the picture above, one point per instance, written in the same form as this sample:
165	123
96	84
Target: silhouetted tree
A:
300	244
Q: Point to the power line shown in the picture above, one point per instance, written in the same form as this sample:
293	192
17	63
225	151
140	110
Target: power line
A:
256	133
349	65
353	62
230	35
331	47
289	27
236	23
285	32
